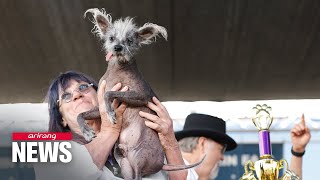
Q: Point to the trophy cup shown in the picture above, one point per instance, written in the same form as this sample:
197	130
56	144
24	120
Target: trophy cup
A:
266	168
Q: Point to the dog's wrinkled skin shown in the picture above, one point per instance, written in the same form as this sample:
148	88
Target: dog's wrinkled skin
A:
139	145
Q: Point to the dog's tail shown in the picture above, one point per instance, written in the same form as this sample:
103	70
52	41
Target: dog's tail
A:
170	167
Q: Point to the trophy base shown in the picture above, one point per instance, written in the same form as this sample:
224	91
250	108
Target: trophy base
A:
267	168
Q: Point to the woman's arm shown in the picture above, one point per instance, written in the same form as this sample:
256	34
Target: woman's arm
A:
162	123
300	137
101	146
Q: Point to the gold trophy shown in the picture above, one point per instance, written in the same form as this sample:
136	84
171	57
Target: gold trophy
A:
266	168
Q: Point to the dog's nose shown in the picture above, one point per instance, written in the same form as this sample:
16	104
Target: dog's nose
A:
117	48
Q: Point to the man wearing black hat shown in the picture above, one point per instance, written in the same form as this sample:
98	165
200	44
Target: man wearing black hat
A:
204	135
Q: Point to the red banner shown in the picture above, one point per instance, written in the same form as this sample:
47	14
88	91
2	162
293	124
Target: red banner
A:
43	136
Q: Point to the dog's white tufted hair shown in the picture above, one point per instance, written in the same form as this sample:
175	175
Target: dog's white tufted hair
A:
96	12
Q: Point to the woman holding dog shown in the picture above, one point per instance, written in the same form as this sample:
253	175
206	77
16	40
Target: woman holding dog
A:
72	93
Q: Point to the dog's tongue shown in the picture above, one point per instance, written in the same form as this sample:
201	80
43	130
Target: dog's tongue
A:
108	56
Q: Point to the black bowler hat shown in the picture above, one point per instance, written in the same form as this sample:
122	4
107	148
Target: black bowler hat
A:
208	126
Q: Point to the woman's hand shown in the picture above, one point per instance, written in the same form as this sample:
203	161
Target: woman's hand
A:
161	122
118	107
109	132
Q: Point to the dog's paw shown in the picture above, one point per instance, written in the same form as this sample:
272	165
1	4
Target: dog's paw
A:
112	117
88	133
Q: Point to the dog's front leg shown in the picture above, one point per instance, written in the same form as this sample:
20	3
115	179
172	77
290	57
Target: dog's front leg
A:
88	133
132	98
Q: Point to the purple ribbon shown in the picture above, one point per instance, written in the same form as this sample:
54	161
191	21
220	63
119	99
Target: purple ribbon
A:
264	142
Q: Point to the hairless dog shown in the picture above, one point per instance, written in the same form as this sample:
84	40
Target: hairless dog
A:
139	145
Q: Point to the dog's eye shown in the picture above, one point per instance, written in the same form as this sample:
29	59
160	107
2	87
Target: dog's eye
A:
111	38
129	41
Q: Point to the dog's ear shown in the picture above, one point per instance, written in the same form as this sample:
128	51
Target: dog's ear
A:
102	21
148	33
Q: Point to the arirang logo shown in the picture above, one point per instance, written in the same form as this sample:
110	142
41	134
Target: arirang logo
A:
55	149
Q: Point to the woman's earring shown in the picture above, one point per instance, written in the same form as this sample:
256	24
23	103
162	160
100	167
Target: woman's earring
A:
64	123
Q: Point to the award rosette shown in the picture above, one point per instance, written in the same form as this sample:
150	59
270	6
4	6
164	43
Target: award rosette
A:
266	168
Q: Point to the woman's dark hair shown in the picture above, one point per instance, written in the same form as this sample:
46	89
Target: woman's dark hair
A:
62	81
